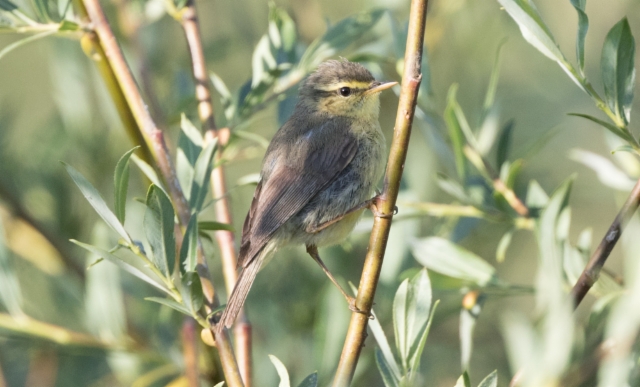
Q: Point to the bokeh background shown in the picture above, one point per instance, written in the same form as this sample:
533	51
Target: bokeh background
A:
53	107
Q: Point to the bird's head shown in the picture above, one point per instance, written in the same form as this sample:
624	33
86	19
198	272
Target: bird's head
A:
343	88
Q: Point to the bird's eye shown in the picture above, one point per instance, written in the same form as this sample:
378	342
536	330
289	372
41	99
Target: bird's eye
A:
345	91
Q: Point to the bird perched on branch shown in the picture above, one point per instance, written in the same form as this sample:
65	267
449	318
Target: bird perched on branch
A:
318	175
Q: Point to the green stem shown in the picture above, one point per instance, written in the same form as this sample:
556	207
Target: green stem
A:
357	331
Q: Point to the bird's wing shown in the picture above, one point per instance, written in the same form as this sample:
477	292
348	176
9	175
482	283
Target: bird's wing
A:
289	186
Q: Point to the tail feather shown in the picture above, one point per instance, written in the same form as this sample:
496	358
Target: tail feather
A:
240	292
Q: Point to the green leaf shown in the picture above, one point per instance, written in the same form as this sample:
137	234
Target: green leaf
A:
504	143
214	226
338	37
170	303
445	257
191	290
24	41
535	31
201	176
536	197
190	145
282	371
221	384
7	5
10	292
415	362
121	184
608	173
503	245
411	307
490	96
120	262
387	364
583	26
490	381
159	228
389	377
96	201
189	248
618	72
310	381
455	127
147	170
610	127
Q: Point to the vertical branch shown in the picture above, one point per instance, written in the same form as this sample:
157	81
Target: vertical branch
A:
591	272
190	351
226	241
120	77
377	243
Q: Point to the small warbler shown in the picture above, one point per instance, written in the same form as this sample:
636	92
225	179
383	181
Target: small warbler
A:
318	174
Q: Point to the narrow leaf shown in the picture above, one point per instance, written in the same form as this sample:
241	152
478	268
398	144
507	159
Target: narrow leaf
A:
503	245
201	176
121	184
583	26
214	226
388	376
310	381
282	371
411	306
610	127
188	251
490	381
159	227
455	133
384	348
445	257
618	72
147	170
96	201
104	254
191	291
170	303
504	143
490	95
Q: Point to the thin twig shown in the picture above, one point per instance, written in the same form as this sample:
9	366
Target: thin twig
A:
242	332
107	47
190	351
591	272
377	243
58	243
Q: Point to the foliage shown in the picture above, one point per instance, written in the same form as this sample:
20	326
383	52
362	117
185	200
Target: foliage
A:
465	235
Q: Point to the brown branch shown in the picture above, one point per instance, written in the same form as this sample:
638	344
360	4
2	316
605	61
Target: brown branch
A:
119	77
58	243
226	240
591	272
377	243
190	351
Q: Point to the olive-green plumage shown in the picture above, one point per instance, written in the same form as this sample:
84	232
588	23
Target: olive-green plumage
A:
323	162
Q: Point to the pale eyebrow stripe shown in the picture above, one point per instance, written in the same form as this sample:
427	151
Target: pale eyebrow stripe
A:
338	85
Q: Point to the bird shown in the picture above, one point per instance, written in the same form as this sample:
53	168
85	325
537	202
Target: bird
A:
318	175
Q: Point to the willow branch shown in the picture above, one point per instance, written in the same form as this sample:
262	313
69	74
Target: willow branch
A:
591	272
119	76
190	352
377	243
226	240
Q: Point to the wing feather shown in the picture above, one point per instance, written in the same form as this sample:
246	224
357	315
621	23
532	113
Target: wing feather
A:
325	151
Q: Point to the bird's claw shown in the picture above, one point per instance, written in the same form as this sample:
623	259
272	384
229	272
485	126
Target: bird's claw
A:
373	206
355	309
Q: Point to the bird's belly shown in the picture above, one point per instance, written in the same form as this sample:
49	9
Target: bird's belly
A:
354	185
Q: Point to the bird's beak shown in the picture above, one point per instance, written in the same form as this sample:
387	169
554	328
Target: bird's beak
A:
377	87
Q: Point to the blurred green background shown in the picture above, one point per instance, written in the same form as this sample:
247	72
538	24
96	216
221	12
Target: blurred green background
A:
53	106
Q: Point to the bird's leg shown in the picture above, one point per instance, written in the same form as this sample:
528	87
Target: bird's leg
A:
370	204
313	252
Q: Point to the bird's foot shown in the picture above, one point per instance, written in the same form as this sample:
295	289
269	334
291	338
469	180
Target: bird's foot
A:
355	309
373	206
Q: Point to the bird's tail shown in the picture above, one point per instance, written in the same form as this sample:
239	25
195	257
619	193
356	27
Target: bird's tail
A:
241	290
